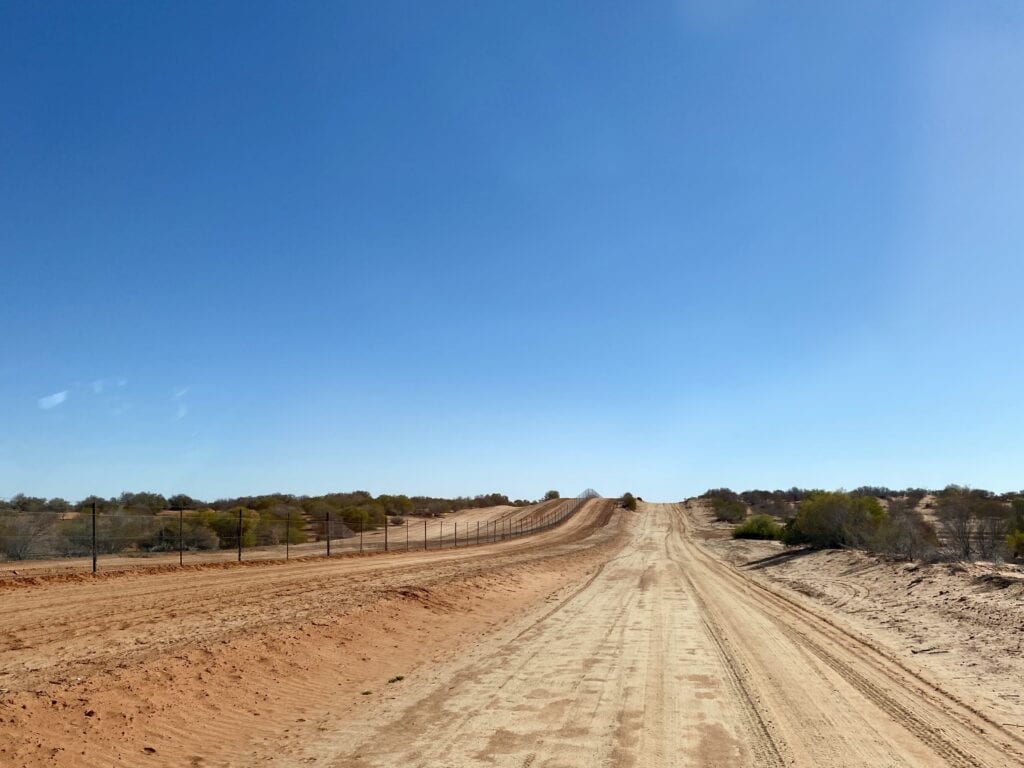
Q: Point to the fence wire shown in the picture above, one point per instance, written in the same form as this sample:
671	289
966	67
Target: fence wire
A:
95	539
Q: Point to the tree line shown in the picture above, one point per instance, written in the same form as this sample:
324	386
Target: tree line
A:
956	522
150	522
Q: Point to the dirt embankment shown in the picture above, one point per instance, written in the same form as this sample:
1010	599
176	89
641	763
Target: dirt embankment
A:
214	666
961	623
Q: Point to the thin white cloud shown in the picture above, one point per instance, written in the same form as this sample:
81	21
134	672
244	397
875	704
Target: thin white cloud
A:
52	401
182	412
179	393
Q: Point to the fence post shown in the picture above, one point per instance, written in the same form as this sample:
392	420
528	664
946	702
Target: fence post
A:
360	535
287	534
328	533
239	535
94	537
181	538
424	535
386	522
478	532
456	533
407	534
440	536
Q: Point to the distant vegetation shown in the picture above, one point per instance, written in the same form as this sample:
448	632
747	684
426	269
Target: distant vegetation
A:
726	505
954	523
628	501
149	522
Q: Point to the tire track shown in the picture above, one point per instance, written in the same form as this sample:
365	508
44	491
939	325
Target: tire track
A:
768	749
959	734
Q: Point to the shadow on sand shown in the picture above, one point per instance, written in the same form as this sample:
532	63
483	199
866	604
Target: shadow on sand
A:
782	557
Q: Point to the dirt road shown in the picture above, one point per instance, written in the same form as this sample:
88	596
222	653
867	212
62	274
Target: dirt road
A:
616	640
214	665
667	657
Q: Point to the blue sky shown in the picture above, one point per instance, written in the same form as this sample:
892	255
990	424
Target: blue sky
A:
449	248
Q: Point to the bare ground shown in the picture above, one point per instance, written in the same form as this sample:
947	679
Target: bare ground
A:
616	640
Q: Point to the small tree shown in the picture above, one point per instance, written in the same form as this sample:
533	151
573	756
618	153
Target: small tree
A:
181	501
957	520
904	533
552	495
835	519
23	534
992	524
628	501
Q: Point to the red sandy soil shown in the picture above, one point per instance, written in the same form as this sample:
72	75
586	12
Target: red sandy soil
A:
619	639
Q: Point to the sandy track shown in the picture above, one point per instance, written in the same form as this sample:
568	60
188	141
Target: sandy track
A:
205	665
51	625
565	649
828	697
669	657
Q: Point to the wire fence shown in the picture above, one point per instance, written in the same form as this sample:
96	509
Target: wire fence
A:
96	539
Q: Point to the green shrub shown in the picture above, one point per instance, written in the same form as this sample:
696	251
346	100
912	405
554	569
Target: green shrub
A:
835	519
1015	543
728	510
758	527
225	525
628	501
791	535
165	537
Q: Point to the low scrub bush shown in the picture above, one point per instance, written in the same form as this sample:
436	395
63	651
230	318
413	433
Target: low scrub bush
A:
728	510
726	505
835	519
758	527
1015	544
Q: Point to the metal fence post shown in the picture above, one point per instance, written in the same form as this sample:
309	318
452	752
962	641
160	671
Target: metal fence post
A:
239	535
94	537
424	535
386	521
456	534
287	534
181	538
328	533
360	535
440	536
477	531
407	535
